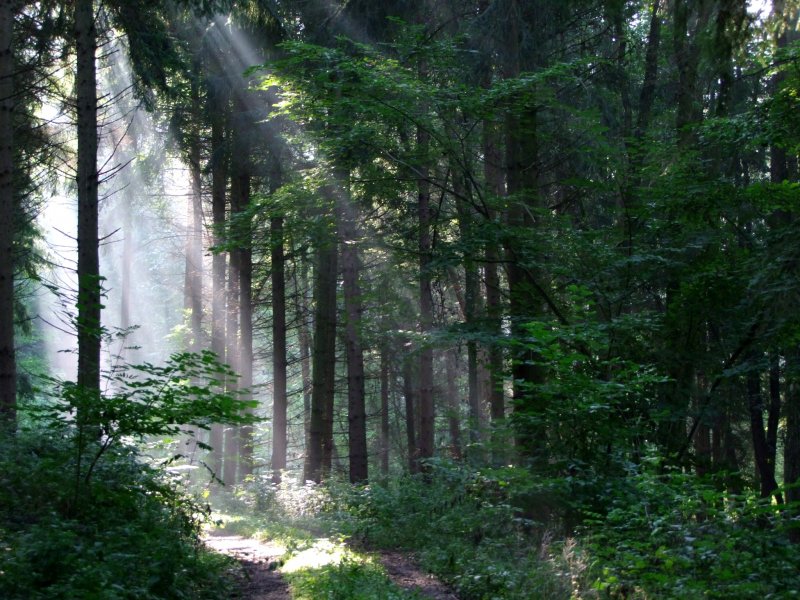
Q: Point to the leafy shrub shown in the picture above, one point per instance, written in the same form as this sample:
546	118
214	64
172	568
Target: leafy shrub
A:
467	528
670	535
134	536
82	516
346	580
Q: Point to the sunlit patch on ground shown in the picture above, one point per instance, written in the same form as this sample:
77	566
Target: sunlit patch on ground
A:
322	553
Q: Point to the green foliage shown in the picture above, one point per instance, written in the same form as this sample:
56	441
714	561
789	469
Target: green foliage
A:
468	527
671	535
144	401
135	535
79	505
348	579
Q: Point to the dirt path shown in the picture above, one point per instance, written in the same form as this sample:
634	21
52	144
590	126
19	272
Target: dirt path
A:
406	574
259	578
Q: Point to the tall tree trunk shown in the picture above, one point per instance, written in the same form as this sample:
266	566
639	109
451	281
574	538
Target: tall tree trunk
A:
648	91
357	414
194	245
304	341
8	367
279	397
232	355
471	301
125	321
245	235
89	283
454	404
219	182
766	471
324	360
193	269
524	291
410	401
384	382
426	406
493	173
786	18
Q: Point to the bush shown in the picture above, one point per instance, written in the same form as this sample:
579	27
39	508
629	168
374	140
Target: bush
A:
134	536
671	535
467	527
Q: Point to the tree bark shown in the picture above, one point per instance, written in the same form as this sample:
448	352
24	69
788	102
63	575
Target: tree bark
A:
193	301
766	470
219	183
471	301
454	405
324	360
8	367
384	381
426	406
279	397
357	414
89	282
493	174
525	303
232	355
410	401
304	340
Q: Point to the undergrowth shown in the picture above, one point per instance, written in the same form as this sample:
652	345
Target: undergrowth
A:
316	562
132	535
501	533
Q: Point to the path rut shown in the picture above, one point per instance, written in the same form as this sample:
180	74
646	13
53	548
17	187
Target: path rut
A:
259	578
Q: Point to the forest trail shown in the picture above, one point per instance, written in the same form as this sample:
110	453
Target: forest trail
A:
260	578
406	574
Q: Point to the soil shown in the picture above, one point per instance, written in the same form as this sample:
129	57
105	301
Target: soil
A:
259	578
405	573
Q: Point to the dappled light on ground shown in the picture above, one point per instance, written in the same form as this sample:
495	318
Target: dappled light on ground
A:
324	552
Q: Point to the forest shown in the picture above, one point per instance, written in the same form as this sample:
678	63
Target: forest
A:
502	292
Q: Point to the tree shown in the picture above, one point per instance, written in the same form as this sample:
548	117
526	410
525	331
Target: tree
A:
8	367
320	442
279	360
89	280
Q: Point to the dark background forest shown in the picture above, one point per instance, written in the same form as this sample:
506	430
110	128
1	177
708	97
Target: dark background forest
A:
511	284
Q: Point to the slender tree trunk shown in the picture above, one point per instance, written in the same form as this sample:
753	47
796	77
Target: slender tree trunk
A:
219	181
493	173
523	289
304	341
279	397
410	401
193	276
324	361
8	367
127	264
245	330
766	471
648	91
194	254
357	414
791	450
471	298
89	282
454	405
426	406
232	355
384	379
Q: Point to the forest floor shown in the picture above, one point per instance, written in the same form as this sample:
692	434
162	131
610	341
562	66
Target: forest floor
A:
260	577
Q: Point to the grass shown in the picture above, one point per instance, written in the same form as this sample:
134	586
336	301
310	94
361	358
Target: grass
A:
317	566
